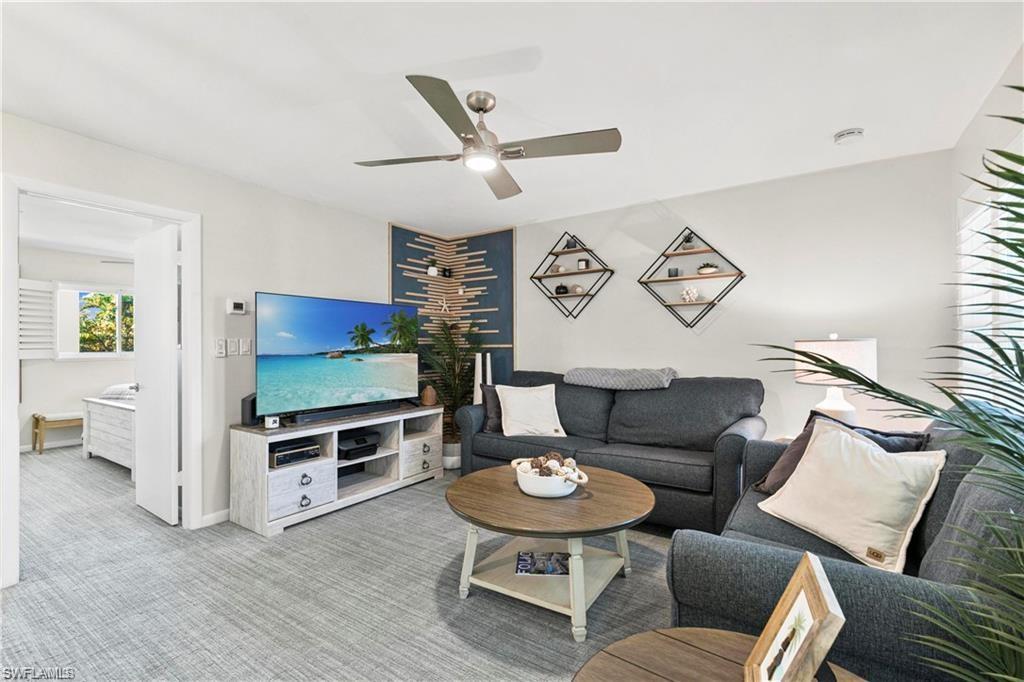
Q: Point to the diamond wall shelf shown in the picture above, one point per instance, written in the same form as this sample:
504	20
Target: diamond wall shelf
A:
712	287
594	276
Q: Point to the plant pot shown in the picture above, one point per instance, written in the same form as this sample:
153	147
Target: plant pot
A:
432	271
707	271
451	455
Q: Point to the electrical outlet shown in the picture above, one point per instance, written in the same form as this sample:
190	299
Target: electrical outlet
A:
232	346
220	348
245	346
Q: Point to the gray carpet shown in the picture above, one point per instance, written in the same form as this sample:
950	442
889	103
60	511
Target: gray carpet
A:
368	592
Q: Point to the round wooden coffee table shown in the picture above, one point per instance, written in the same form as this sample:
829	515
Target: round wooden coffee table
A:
609	504
679	654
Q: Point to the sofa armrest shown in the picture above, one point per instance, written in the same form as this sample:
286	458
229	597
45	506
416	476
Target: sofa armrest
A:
470	420
728	461
722	582
758	459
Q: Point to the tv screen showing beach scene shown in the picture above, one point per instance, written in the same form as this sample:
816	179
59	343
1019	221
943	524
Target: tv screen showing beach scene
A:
314	353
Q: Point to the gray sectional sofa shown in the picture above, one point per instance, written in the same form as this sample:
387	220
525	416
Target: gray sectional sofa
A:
733	581
686	441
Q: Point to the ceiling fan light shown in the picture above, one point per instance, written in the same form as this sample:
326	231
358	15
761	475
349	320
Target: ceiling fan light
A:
480	160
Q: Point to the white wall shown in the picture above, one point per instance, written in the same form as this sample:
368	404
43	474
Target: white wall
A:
987	132
862	251
60	385
253	238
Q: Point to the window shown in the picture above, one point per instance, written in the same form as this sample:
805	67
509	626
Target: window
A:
95	321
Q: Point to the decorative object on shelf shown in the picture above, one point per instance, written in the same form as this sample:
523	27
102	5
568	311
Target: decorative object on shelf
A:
549	475
860	354
432	267
689	295
797	638
446	272
571	301
688	244
428	396
673	272
707	269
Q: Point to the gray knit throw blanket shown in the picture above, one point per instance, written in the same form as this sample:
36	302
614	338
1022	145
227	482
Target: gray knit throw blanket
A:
621	379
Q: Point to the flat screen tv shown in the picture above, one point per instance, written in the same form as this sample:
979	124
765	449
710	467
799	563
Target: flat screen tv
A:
317	353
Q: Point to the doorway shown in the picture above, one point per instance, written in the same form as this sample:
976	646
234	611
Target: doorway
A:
129	320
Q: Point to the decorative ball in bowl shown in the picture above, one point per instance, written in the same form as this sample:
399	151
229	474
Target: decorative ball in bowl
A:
549	475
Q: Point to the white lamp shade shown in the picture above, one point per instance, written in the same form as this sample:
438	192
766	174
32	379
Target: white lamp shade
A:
860	354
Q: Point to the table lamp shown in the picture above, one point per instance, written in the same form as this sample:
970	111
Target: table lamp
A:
859	354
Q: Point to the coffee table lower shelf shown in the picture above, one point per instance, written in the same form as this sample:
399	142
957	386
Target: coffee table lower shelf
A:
591	569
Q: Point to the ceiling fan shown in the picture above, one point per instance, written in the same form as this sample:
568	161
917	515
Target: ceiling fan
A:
481	150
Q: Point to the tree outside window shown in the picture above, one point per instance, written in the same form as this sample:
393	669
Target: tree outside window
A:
106	322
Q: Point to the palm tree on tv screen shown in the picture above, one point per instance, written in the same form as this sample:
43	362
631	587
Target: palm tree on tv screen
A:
403	331
361	336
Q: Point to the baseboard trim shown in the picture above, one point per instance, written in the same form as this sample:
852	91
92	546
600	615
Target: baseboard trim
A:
51	444
215	518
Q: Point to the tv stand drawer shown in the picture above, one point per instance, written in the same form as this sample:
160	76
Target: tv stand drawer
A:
301	476
422	454
295	501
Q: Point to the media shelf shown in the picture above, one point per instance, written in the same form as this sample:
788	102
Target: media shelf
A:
267	500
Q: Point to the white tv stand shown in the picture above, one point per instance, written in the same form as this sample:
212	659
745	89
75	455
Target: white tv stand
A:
268	500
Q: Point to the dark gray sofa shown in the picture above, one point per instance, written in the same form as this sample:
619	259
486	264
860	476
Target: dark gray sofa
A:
685	441
733	581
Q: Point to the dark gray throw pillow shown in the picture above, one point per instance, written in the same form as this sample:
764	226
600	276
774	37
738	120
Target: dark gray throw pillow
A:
890	441
492	409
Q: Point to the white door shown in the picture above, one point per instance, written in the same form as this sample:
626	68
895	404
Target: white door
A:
156	372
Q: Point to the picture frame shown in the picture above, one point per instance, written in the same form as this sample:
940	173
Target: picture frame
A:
800	632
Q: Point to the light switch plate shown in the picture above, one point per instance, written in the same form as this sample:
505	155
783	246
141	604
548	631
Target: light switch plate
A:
232	346
245	346
220	348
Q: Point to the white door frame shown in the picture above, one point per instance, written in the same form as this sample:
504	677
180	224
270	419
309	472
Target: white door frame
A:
191	357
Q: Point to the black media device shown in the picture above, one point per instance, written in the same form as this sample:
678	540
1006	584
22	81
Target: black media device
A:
249	417
357	443
288	452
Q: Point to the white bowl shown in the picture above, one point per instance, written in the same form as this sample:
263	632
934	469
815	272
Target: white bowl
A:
544	486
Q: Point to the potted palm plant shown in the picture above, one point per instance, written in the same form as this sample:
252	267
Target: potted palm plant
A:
983	635
449	357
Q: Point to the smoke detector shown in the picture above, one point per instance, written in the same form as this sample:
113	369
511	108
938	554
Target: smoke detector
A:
848	136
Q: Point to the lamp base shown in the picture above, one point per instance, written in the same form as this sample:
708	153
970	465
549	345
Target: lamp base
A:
837	406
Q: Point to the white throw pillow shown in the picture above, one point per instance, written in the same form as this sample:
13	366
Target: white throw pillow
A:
849	491
529	411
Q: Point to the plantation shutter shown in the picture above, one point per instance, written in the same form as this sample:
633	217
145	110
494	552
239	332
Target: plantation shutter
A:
977	315
37	334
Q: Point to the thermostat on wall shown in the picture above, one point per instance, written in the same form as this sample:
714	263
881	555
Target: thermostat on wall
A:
237	307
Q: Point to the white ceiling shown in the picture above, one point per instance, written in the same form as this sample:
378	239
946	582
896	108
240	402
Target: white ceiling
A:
49	224
706	95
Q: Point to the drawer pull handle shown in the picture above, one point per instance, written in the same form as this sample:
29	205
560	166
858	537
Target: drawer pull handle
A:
426	465
306	479
305	501
426	448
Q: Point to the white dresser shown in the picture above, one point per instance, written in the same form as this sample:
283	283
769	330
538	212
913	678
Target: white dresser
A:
108	431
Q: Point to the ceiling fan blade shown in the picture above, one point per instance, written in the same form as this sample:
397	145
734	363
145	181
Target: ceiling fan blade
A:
590	142
442	99
410	159
501	182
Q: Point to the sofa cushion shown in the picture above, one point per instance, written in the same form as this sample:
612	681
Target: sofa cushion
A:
689	414
497	446
582	410
748	520
958	460
673	467
976	507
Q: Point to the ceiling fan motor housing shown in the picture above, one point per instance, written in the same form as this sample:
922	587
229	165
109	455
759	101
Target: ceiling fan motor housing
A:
481	101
